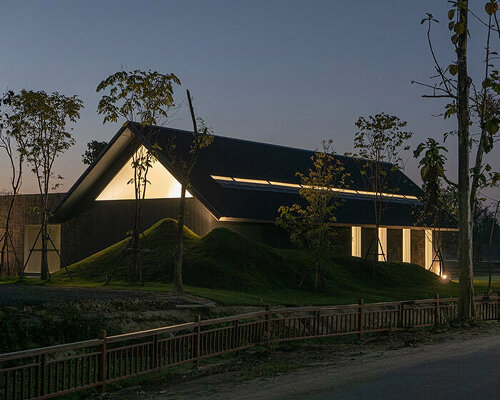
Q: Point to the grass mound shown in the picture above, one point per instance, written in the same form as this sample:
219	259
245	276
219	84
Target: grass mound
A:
224	260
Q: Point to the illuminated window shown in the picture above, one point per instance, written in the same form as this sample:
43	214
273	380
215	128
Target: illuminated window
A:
162	184
31	233
428	248
297	186
406	245
356	241
254	181
382	246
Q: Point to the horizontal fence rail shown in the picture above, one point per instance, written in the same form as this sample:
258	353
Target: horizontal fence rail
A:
49	372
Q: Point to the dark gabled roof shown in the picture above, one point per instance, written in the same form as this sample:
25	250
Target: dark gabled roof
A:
242	159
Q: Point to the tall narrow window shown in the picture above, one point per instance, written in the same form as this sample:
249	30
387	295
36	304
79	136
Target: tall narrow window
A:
382	246
33	248
406	245
356	241
428	248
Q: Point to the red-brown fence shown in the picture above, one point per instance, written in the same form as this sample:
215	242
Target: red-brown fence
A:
53	371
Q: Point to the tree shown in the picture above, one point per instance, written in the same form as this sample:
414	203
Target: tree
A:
202	138
146	97
43	120
94	148
378	145
310	224
454	83
14	147
432	172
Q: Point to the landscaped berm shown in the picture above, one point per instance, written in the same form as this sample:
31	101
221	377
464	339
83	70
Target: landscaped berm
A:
228	268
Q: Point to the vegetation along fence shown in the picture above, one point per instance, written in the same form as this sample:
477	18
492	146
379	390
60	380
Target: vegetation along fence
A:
53	371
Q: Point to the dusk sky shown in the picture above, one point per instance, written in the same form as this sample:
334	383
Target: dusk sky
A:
283	72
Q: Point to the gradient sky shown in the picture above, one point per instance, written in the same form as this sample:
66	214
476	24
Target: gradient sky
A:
283	72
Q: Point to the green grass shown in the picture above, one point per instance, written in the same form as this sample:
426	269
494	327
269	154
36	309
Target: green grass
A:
230	269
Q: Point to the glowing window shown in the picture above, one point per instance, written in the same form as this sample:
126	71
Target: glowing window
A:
356	241
162	184
382	246
406	245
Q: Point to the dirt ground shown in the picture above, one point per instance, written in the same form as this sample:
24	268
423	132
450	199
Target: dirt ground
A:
283	372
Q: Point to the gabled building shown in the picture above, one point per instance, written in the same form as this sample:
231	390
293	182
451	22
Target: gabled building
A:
236	184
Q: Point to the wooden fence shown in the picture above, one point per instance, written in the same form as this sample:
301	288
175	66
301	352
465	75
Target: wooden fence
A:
53	371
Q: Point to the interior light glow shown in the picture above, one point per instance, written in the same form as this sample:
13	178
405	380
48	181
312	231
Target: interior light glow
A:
293	185
444	276
297	186
256	181
221	178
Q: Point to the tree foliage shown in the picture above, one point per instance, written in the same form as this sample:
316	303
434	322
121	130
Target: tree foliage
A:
378	146
475	107
44	121
146	97
94	148
310	224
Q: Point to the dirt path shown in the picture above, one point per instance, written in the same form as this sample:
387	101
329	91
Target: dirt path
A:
337	371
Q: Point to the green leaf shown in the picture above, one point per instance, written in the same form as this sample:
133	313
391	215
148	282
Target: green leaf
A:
459	28
451	14
491	8
453	69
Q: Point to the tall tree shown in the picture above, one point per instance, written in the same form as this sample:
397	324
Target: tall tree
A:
145	97
310	225
94	148
454	83
14	147
432	171
202	138
377	145
43	120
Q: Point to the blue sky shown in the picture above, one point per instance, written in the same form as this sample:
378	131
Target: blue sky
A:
284	72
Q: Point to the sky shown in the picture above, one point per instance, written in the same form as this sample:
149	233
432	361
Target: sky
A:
283	72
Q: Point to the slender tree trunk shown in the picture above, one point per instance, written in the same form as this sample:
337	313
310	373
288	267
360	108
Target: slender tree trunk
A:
466	308
4	267
44	267
179	250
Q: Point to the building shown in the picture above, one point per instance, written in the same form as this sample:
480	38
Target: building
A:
236	184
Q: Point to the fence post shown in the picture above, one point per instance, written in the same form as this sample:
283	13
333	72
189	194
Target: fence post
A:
401	311
316	323
197	320
236	341
42	364
268	321
104	350
498	306
154	356
437	315
361	307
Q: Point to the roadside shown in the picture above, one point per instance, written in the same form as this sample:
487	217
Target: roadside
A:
311	369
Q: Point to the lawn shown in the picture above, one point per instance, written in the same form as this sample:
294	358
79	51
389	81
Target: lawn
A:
230	269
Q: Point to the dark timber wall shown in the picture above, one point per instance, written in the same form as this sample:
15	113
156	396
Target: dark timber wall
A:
394	244
109	221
